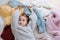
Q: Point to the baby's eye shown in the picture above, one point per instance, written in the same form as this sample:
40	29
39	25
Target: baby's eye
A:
19	19
23	20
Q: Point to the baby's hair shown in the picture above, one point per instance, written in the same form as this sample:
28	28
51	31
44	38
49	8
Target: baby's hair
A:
28	19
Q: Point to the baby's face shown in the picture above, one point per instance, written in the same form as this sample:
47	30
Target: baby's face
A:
22	21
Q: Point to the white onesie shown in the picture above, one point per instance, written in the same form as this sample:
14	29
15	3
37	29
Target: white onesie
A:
23	33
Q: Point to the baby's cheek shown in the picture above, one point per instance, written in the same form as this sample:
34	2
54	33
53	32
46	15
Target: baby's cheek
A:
25	23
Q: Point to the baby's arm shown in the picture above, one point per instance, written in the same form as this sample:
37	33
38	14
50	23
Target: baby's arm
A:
14	20
33	18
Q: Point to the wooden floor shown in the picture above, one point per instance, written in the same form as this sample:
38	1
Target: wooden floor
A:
7	33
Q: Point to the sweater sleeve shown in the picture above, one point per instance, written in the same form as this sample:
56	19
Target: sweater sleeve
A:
33	21
14	20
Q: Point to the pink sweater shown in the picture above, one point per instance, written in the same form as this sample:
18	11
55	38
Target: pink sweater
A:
53	24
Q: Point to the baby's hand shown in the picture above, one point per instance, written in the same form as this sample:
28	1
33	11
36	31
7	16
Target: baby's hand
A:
30	6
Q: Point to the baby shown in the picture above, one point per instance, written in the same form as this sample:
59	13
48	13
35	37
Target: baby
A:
23	26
